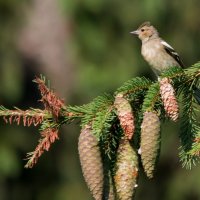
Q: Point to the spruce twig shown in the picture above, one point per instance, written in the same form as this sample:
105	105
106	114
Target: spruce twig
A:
141	93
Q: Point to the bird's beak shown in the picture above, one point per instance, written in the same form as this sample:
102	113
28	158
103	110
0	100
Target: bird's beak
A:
135	32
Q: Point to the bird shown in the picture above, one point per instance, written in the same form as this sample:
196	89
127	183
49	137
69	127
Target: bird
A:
158	53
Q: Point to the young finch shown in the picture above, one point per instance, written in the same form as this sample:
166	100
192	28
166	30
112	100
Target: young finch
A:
158	53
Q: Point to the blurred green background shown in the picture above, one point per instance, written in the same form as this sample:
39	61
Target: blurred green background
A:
84	48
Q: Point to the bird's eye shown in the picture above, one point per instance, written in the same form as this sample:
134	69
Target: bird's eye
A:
142	30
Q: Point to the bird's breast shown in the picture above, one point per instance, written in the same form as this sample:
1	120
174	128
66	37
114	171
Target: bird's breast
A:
150	51
156	56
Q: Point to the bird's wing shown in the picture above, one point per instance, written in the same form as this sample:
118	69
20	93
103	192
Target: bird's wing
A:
172	53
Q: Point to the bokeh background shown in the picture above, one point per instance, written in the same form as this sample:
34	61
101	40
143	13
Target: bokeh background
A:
84	48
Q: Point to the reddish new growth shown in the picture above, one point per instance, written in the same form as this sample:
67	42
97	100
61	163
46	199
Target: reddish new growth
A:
50	100
49	118
49	136
125	115
28	117
54	105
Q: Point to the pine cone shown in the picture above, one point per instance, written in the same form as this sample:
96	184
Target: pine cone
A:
91	162
169	99
125	115
126	171
150	142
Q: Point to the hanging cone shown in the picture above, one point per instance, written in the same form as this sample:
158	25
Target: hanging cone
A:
91	162
126	171
150	142
169	99
125	115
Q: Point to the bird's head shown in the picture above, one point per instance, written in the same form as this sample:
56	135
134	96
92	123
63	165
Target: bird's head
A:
145	32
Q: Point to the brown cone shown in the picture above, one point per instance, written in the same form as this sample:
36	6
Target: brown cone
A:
150	142
169	99
125	115
91	162
126	171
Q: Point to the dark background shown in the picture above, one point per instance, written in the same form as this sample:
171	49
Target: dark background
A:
85	49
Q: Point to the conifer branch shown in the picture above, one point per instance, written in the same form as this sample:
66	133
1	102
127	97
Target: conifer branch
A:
49	99
48	136
27	117
152	98
122	116
189	128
